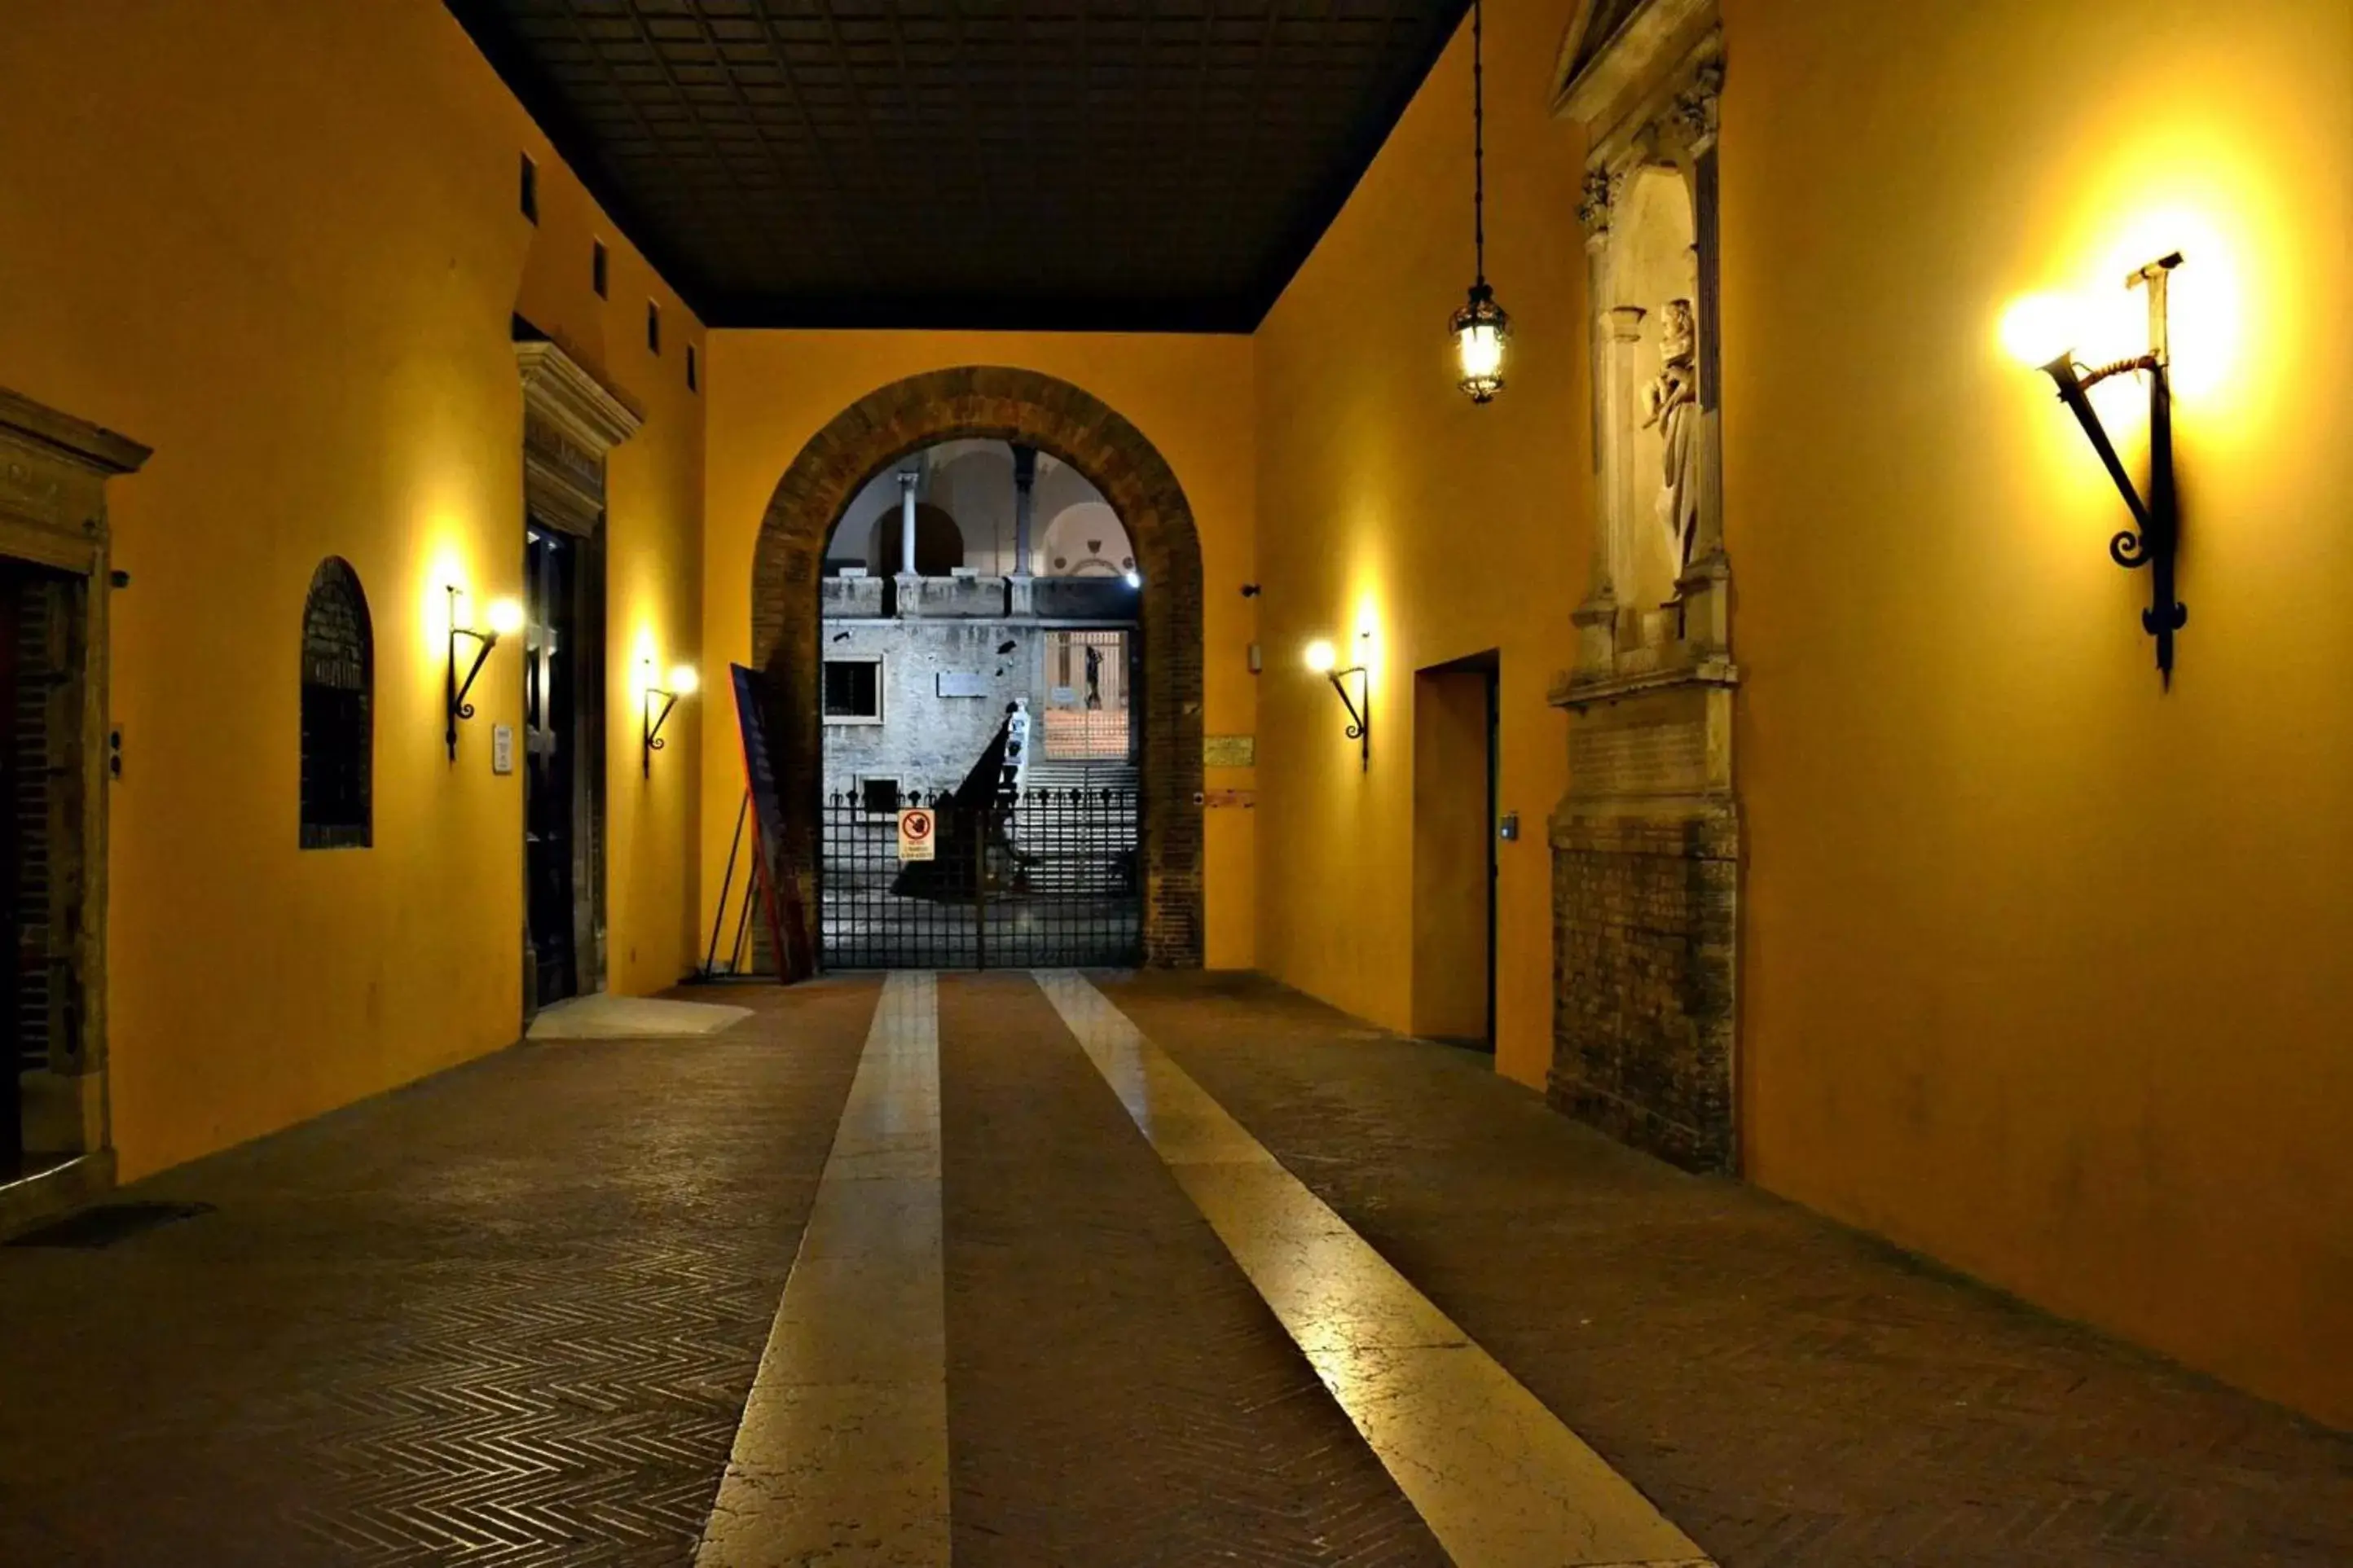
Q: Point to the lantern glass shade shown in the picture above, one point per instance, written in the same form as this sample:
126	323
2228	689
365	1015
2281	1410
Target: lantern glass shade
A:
1481	331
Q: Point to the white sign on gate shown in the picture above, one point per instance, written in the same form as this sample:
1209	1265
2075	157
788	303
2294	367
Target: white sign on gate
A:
916	826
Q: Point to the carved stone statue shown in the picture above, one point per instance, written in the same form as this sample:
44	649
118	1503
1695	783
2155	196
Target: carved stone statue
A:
1671	403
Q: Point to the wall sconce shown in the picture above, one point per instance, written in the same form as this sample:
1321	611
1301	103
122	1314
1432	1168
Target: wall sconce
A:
1322	661
506	619
2155	536
682	682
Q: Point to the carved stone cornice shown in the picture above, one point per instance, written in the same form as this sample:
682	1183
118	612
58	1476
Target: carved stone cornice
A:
570	420
1588	81
558	388
78	441
1577	690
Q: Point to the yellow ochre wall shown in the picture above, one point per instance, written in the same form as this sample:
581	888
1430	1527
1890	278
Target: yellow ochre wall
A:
1391	504
2045	969
280	244
1190	396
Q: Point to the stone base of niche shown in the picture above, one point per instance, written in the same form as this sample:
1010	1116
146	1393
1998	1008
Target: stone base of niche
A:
1646	879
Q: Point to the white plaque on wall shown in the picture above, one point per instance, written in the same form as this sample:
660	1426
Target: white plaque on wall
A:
963	683
501	748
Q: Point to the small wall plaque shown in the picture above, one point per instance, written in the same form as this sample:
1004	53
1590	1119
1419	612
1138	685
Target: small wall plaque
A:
501	748
1229	750
963	683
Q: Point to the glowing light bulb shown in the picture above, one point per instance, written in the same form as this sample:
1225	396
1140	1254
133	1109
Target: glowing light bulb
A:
1481	349
2040	328
1320	658
1135	579
506	618
684	680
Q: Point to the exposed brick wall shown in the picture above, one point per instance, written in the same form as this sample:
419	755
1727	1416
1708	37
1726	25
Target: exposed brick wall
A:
1643	911
997	403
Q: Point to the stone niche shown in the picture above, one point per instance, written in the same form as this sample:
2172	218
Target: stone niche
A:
1646	843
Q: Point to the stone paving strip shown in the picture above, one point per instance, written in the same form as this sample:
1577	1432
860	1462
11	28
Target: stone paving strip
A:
1499	1480
1119	1395
842	1457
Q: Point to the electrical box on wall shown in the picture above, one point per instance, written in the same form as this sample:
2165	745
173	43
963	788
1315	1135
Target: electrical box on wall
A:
501	748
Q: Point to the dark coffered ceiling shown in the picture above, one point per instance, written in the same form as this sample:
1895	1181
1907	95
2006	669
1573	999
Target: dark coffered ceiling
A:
1118	164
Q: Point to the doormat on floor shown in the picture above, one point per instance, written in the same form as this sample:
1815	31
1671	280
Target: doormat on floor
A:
631	1018
103	1225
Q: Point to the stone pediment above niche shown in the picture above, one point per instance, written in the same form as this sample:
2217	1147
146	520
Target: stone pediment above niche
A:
1615	50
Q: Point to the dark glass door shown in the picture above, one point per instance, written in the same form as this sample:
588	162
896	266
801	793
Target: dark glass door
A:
550	761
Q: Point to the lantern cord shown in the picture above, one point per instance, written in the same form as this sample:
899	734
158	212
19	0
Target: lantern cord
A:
1477	143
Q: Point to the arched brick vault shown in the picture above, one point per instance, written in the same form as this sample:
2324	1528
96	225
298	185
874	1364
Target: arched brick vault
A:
998	402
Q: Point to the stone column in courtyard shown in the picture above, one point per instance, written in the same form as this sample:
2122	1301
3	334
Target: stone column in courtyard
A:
1025	501
907	576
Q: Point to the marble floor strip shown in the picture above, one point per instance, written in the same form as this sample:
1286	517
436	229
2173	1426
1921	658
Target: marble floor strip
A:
1500	1480
842	1457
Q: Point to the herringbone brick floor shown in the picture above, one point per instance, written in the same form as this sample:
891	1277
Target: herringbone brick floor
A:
506	1317
1787	1392
509	1316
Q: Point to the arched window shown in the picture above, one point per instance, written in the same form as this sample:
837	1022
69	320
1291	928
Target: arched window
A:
338	710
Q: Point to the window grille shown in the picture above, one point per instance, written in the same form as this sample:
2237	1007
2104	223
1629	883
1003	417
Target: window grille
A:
338	720
853	690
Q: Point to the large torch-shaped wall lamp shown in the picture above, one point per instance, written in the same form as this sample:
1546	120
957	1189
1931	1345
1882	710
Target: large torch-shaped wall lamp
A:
505	620
682	682
2155	536
1325	661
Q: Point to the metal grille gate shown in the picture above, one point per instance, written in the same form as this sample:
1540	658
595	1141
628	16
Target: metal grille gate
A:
1044	878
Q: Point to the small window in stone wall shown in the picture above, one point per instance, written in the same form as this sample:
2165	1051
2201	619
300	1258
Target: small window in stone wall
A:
853	691
338	711
877	795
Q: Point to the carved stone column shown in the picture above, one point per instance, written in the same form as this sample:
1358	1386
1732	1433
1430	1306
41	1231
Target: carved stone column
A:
1706	587
1025	503
909	582
1597	616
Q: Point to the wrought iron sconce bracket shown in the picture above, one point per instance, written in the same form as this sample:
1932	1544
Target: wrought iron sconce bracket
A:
653	721
458	690
1359	707
2154	539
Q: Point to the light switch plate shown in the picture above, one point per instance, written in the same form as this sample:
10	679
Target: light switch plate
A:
501	748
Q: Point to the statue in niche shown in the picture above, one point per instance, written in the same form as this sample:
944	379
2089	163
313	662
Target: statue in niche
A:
1671	404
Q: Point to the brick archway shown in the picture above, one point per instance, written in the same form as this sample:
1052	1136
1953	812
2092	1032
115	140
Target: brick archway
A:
998	402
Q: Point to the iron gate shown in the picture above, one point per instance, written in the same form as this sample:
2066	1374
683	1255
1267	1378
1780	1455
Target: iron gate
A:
1041	879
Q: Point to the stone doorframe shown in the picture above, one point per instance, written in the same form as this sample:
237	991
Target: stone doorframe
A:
1031	409
571	423
53	474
